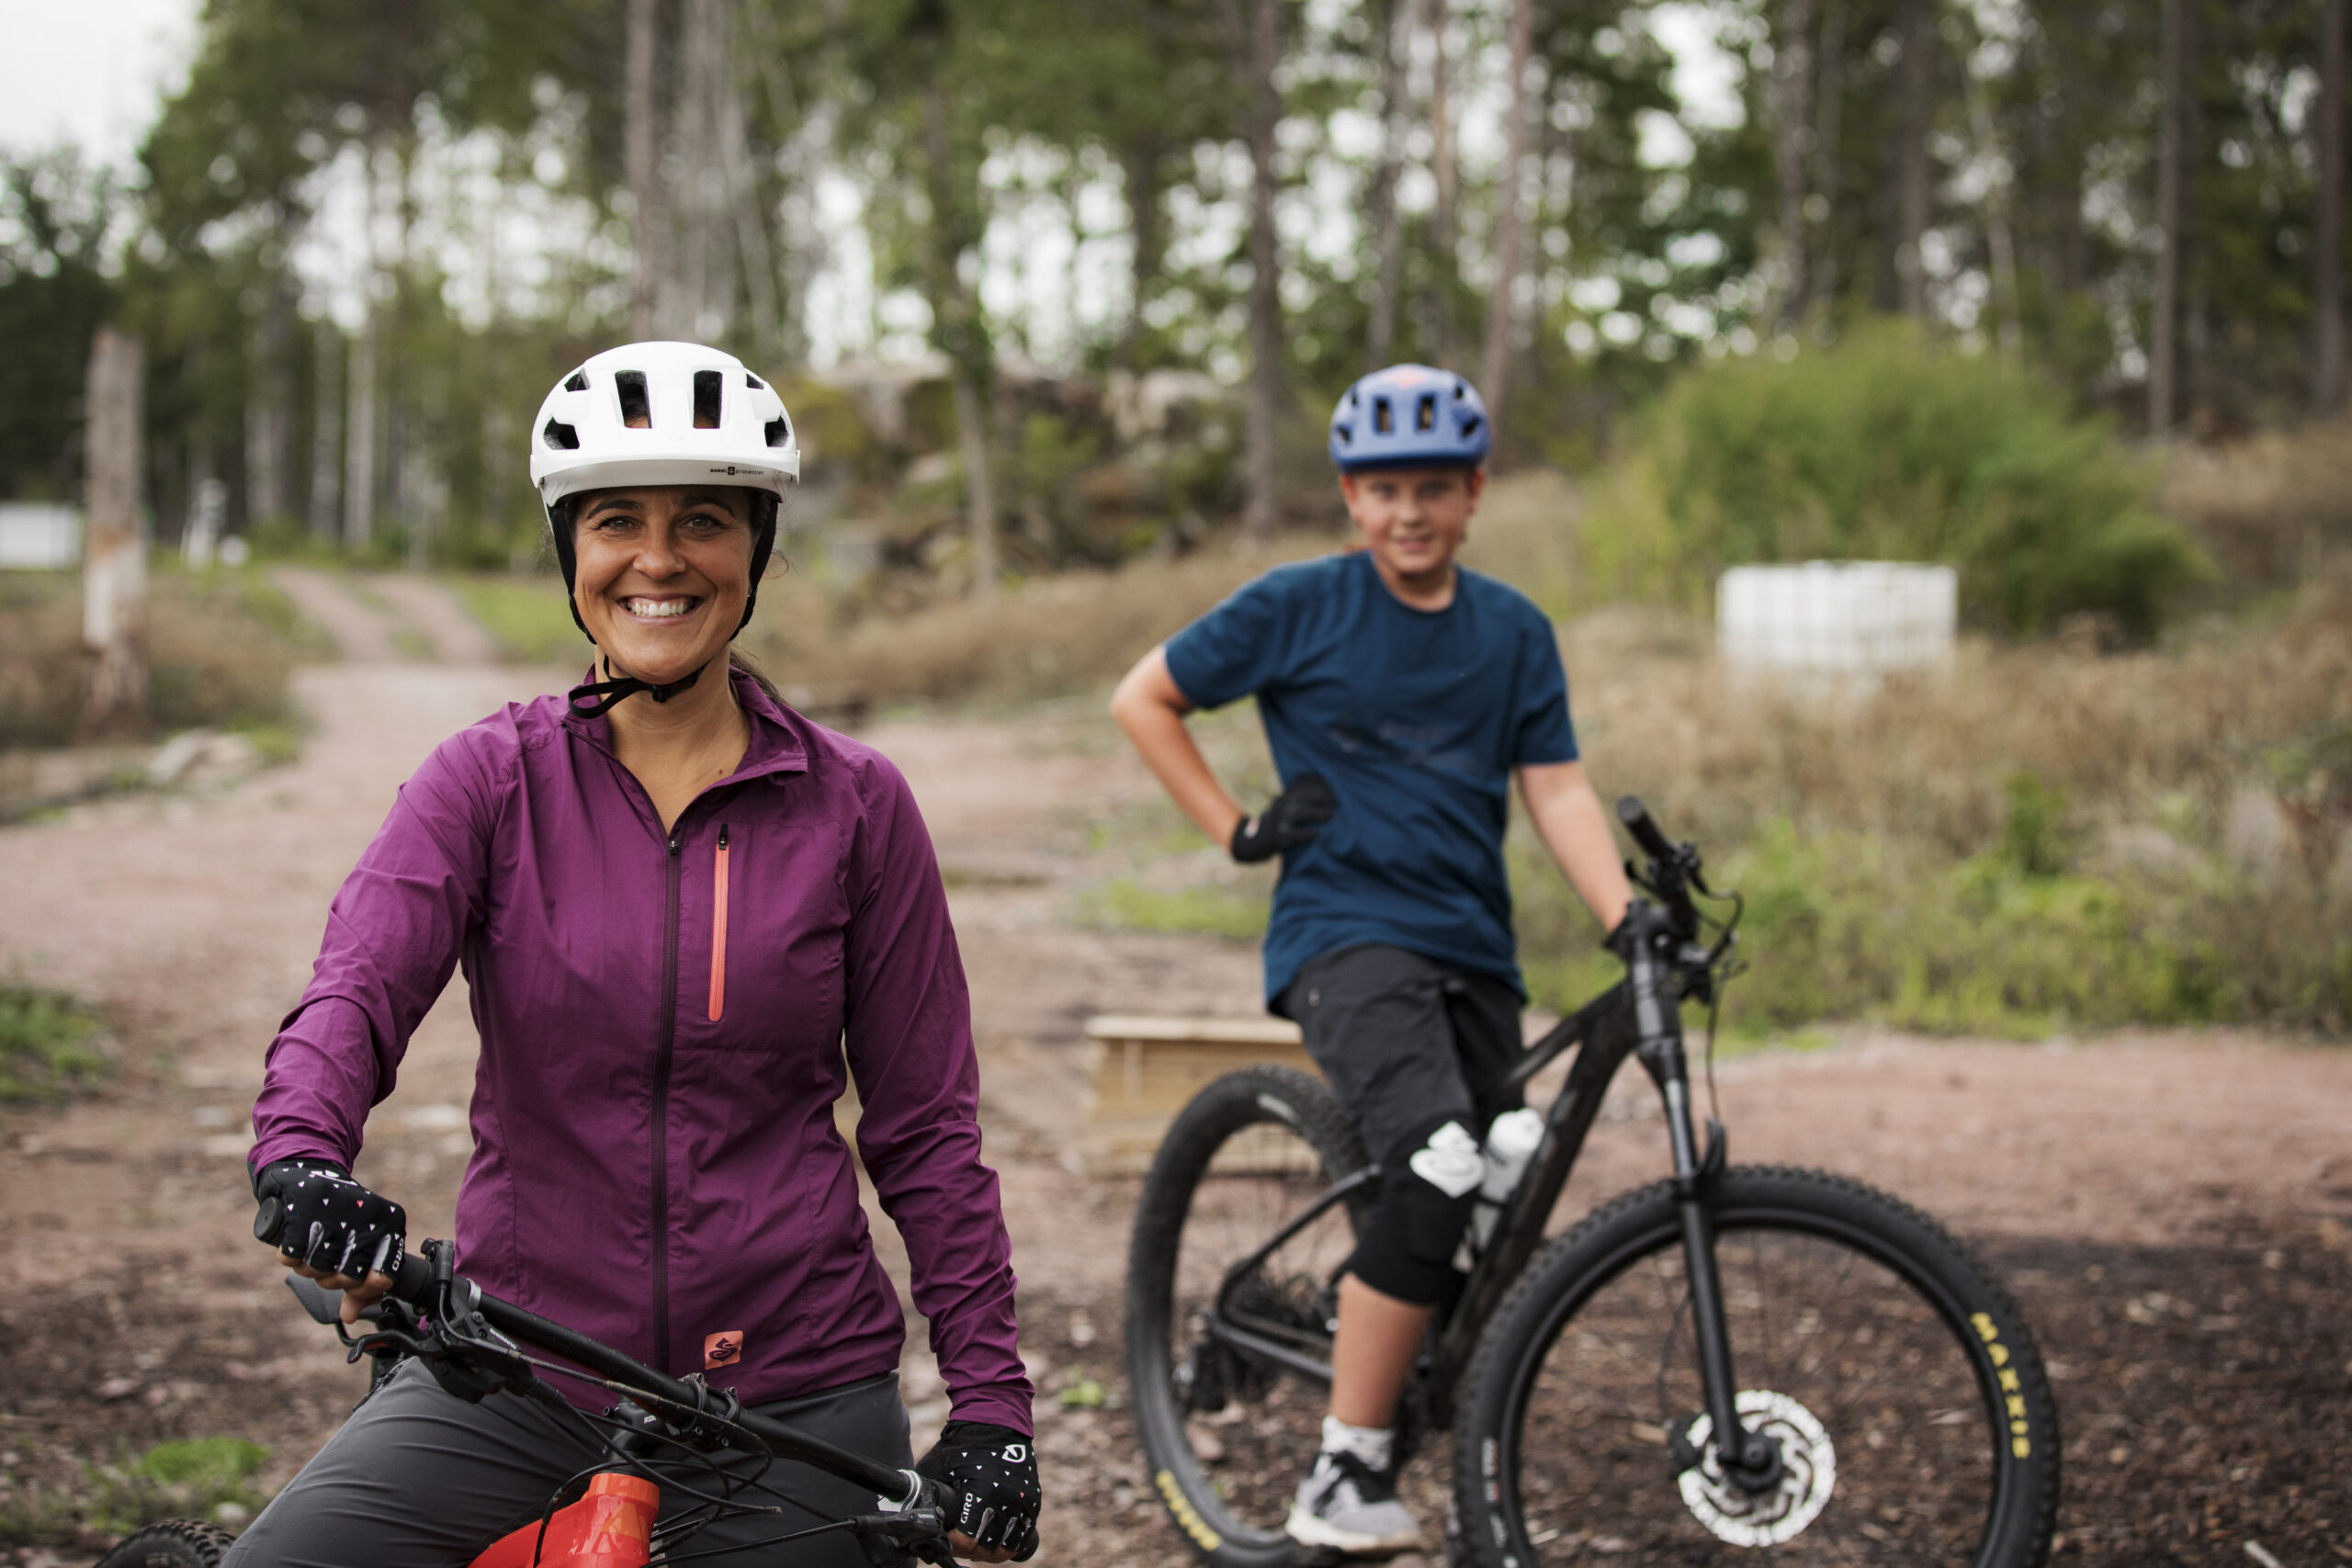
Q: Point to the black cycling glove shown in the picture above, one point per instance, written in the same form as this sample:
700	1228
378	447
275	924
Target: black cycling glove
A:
313	1212
1293	819
993	1472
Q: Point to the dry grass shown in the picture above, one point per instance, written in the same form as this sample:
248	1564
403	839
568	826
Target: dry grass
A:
2272	506
220	650
1075	632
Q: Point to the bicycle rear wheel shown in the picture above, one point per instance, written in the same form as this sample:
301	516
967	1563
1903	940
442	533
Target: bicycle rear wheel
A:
1911	1408
1228	1433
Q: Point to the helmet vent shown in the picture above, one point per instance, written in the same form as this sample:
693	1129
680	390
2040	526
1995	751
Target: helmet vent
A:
753	381
707	399
779	432
1470	423
1425	412
637	413
576	382
1382	420
560	437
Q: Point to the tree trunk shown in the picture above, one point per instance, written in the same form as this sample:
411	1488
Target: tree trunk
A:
269	414
746	199
2166	307
700	312
1445	217
114	558
1396	25
1829	113
642	134
1148	246
360	446
1999	240
326	429
957	329
1792	95
1916	77
1258	516
2327	216
1502	304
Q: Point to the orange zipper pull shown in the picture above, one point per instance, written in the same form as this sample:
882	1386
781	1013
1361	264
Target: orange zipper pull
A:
719	929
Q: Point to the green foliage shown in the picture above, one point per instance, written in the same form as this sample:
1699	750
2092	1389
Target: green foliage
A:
49	1046
54	217
189	1478
527	617
1205	910
1883	447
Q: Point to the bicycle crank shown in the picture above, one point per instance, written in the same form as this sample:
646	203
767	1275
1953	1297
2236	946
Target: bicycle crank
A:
1780	1509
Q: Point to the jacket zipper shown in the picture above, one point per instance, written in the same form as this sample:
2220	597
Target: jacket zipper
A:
719	929
662	1121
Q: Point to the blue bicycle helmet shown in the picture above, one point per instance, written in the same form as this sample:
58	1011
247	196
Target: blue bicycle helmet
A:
1409	416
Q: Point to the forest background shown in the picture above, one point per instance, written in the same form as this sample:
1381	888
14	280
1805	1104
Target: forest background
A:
1061	294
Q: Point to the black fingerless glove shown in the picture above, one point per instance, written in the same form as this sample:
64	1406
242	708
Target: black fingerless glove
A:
1294	819
313	1212
993	1472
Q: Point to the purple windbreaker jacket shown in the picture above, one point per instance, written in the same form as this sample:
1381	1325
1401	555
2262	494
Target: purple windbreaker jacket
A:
666	1020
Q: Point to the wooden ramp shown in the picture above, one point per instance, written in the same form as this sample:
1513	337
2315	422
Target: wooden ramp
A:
1145	1069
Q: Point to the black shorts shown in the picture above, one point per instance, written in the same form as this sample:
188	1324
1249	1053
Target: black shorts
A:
1406	1041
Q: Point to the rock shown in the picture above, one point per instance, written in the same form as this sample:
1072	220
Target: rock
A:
1207	1446
176	756
118	1388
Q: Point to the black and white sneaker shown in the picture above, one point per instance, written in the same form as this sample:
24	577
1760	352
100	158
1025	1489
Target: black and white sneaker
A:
1346	1505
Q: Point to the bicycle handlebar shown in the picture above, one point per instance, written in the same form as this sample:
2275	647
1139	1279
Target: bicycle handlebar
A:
1645	832
417	1285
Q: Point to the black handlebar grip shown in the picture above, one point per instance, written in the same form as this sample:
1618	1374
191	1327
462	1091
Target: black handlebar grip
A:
414	1282
269	1220
1636	818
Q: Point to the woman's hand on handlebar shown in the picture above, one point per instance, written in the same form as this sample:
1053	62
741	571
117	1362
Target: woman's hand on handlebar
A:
329	1228
358	1294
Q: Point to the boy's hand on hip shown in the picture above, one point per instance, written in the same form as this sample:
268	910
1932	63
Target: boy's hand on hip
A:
1294	819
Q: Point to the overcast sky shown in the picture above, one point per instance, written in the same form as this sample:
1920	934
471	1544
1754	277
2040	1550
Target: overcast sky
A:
93	71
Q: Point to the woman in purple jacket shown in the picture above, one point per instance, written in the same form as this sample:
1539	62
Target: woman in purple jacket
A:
682	921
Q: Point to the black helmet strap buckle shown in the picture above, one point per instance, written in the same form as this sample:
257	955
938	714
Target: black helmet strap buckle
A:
594	699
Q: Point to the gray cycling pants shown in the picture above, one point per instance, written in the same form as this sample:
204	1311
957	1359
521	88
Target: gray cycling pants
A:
418	1478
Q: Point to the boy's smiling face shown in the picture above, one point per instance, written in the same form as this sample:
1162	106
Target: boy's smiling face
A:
1413	520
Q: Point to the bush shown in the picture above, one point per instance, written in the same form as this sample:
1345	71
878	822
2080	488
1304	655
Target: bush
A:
1885	448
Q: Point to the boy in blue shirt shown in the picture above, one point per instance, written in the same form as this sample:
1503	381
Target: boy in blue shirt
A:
1401	696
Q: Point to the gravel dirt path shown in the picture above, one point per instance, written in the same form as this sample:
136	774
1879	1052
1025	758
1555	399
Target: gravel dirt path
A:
2172	1210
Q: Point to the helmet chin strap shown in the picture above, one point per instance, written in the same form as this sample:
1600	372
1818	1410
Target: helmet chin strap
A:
592	699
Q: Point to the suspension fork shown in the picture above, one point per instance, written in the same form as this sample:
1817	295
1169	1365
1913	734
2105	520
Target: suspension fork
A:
1747	1457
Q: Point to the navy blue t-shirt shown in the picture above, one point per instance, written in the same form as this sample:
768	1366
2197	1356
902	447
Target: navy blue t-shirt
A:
1416	718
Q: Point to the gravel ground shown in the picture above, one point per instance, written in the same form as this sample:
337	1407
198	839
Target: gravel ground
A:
2172	1211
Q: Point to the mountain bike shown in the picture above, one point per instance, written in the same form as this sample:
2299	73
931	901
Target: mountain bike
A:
1735	1357
662	1434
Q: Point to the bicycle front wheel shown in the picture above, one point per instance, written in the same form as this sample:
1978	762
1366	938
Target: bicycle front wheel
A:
1914	1420
1228	1431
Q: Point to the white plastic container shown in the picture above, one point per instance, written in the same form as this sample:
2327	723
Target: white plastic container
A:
1837	618
1511	1144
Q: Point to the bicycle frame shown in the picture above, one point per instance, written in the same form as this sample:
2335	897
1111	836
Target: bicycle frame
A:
1639	1017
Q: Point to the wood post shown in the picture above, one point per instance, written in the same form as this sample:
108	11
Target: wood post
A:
1262	49
2328	246
113	558
2165	310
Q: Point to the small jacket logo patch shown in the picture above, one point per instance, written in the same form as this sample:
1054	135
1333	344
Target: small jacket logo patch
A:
722	1349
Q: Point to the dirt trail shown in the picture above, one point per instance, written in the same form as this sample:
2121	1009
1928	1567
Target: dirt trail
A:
2202	1169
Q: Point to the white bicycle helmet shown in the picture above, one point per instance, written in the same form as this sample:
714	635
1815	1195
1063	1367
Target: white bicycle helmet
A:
661	414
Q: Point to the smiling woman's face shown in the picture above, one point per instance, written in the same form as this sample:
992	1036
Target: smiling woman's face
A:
661	575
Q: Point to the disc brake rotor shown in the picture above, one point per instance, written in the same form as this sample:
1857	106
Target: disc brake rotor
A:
1808	1473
